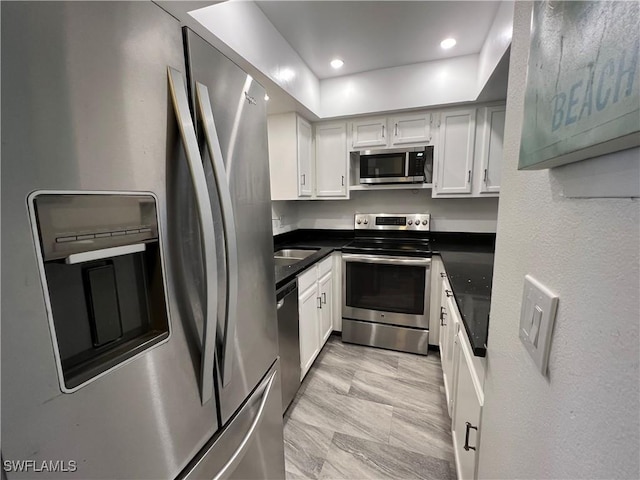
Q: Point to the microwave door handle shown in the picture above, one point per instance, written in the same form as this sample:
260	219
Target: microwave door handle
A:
406	165
231	243
205	215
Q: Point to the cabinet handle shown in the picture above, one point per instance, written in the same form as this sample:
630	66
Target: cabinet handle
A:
303	179
324	298
466	437
448	292
469	177
343	180
442	274
396	131
382	131
319	302
443	314
485	175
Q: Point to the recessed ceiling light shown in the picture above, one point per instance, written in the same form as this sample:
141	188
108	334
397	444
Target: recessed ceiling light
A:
285	75
337	63
266	97
447	43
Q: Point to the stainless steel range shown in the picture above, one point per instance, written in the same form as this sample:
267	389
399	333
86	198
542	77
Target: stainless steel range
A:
386	282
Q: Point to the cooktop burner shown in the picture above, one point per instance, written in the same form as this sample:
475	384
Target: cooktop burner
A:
391	234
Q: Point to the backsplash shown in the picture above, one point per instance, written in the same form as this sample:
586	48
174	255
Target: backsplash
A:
447	215
284	216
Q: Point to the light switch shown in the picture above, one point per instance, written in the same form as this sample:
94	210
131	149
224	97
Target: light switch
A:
535	325
539	305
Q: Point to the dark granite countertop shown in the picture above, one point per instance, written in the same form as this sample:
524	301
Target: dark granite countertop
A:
470	275
467	259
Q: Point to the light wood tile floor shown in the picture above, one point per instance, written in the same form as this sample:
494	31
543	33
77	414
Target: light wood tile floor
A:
368	413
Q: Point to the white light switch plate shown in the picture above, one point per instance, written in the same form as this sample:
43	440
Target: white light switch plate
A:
539	305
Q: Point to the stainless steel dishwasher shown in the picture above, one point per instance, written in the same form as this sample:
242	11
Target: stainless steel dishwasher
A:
289	341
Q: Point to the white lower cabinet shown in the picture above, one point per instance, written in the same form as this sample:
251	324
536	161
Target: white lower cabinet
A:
468	401
463	375
325	285
309	332
449	324
315	308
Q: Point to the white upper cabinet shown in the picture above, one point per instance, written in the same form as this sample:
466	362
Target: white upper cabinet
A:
455	149
305	157
491	148
331	160
290	156
371	132
411	129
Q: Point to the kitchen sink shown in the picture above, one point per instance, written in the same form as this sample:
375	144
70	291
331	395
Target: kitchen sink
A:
290	256
285	262
298	254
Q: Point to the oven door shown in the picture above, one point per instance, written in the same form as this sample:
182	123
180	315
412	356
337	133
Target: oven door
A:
385	289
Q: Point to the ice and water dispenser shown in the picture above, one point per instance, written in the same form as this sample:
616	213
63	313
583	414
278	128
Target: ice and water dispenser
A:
103	278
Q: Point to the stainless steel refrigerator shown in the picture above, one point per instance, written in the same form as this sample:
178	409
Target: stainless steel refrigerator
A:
139	334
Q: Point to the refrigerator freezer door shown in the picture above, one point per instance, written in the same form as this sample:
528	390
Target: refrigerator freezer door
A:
239	112
86	107
251	446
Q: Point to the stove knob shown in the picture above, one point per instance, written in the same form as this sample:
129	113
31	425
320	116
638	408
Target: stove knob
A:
366	221
410	222
358	221
424	222
417	222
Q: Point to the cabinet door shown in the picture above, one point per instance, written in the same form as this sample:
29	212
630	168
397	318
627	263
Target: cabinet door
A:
453	325
304	142
411	129
454	163
466	416
309	306
331	160
326	312
446	325
369	133
491	154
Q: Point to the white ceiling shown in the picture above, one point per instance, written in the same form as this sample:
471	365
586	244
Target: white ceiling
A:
369	35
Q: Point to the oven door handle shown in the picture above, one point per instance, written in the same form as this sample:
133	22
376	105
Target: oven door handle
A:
387	260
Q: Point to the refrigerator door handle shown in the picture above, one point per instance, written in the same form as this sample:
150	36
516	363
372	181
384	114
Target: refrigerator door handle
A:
205	214
217	161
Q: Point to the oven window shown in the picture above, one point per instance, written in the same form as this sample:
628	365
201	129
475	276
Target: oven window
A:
389	288
382	165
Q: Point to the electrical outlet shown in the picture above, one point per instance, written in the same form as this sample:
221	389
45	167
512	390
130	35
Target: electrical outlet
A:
538	313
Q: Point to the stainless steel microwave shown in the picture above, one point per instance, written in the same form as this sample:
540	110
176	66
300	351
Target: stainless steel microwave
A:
408	165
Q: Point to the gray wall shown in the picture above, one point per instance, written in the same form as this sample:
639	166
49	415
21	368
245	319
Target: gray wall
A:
582	421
